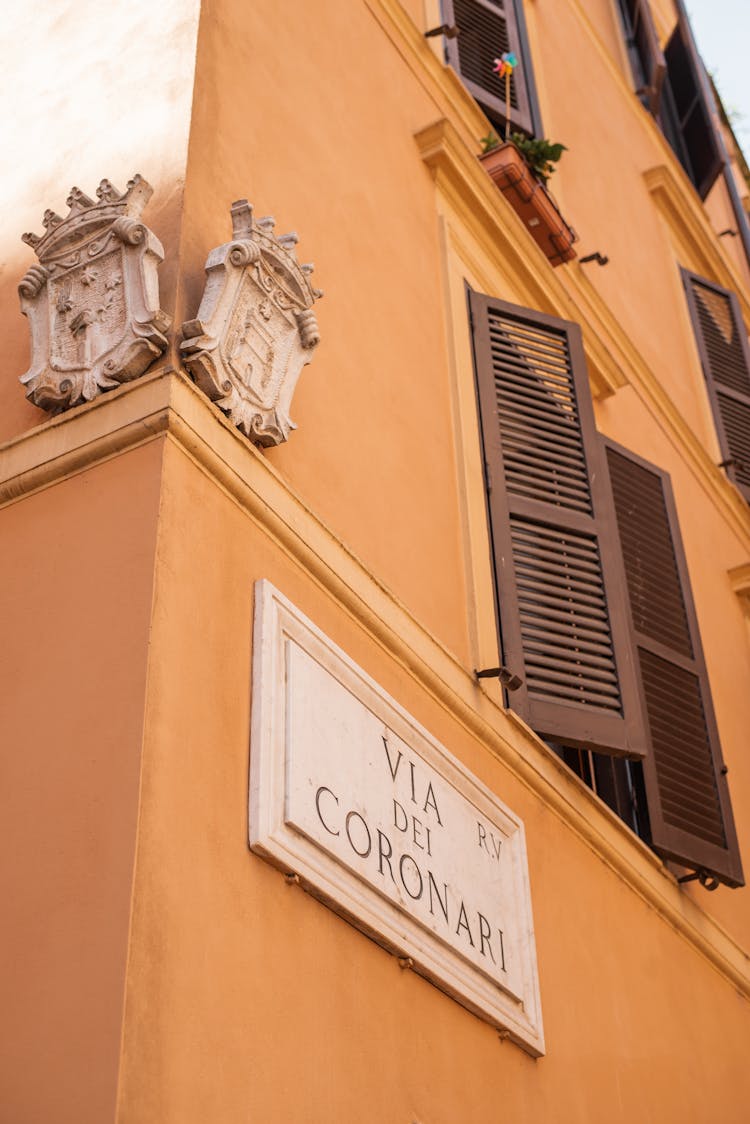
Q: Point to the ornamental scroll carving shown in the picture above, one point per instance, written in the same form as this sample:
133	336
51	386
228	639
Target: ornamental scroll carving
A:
93	300
255	328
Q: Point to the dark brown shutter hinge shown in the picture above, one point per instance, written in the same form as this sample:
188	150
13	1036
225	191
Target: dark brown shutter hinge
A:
732	462
600	259
509	679
487	476
707	881
449	30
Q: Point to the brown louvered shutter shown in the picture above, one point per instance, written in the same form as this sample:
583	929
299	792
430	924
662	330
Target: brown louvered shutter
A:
559	582
686	787
725	358
687	119
646	56
487	29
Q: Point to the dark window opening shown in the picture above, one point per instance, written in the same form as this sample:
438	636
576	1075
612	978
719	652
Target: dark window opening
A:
644	53
615	780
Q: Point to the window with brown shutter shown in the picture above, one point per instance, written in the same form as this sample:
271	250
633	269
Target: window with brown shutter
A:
686	113
725	357
559	580
646	56
685	781
670	83
487	29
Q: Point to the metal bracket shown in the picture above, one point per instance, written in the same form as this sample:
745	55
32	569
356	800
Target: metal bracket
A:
509	680
600	259
707	881
449	30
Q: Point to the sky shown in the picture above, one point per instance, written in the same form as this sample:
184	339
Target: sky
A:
722	32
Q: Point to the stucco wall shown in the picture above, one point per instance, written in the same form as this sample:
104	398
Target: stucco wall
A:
76	576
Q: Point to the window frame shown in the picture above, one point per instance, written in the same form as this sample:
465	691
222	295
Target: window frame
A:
527	118
651	64
636	785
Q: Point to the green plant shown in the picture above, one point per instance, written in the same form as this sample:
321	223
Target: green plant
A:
492	140
540	155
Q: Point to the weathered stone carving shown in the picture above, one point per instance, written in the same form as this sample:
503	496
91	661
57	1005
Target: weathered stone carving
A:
93	301
255	328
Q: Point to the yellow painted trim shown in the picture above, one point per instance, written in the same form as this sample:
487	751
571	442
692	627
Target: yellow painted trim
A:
494	223
692	233
166	406
739	578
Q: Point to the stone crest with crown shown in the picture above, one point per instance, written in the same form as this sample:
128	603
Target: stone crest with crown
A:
93	300
255	328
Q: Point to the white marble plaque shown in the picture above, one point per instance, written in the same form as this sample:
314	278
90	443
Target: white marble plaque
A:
350	793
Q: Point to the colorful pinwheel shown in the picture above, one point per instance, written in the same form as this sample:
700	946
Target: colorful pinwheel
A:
504	67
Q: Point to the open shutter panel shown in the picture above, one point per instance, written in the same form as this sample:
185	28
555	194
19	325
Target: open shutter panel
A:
696	144
562	612
487	29
643	43
688	799
725	358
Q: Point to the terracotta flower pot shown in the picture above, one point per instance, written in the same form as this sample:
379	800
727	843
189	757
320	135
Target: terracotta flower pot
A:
531	202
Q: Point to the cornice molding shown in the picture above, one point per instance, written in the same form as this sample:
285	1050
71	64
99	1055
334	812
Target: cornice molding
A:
165	405
692	232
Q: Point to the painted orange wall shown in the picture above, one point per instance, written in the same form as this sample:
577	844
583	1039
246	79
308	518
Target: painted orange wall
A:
336	160
76	575
248	999
129	610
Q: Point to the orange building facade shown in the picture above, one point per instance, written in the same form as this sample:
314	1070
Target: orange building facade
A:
515	447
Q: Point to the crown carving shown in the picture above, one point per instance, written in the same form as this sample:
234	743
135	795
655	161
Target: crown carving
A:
86	217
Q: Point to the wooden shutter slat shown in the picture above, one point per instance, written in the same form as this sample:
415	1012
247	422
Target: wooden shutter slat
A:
522	384
489	28
543	634
688	798
562	622
531	346
736	418
548	575
546	437
725	359
560	428
565	630
530	459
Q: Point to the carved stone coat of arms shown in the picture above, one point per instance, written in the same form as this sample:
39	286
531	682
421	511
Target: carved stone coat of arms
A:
93	300
255	328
